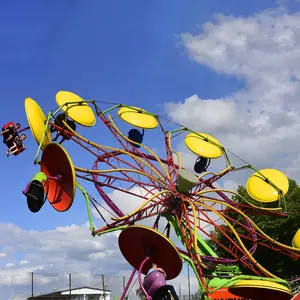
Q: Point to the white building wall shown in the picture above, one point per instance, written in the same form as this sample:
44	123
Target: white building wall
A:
87	294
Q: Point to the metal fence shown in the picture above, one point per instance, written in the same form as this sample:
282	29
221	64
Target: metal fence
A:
21	286
295	284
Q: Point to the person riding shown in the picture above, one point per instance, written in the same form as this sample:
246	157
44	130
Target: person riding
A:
59	122
16	145
165	291
156	268
10	132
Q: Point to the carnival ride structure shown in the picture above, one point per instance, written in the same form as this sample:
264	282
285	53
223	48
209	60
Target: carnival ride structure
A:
189	200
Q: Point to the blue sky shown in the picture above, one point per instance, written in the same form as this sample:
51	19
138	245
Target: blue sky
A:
125	52
129	52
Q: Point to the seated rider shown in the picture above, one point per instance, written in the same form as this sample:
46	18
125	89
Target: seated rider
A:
156	268
10	131
15	145
59	122
165	291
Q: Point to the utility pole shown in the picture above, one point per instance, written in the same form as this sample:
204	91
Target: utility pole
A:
124	285
70	285
179	291
32	285
103	286
189	282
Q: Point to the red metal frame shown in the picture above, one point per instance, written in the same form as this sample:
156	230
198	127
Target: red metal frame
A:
113	159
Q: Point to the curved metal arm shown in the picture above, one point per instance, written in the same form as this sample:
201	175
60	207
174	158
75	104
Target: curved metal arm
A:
148	297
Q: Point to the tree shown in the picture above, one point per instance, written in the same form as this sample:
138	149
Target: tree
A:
278	228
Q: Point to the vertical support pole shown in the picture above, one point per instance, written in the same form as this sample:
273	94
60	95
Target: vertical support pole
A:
103	287
189	282
70	285
124	285
31	285
179	292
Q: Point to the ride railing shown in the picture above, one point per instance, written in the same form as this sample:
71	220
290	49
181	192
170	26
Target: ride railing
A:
295	284
192	296
38	285
191	201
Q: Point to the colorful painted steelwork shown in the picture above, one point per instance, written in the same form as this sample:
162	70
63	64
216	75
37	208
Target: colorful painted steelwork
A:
159	185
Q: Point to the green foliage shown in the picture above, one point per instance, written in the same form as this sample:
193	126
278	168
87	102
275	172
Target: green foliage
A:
281	229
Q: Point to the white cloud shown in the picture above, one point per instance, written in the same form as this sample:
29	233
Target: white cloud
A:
52	254
261	122
127	203
213	114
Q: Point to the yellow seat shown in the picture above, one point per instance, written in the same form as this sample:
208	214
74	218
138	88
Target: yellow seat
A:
296	240
36	120
261	289
262	191
75	107
138	117
204	145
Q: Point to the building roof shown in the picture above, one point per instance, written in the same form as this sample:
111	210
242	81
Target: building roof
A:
65	292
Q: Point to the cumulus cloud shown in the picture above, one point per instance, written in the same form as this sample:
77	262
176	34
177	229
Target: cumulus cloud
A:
127	203
52	254
260	122
218	114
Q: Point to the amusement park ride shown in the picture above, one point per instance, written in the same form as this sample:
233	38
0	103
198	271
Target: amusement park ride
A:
188	200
